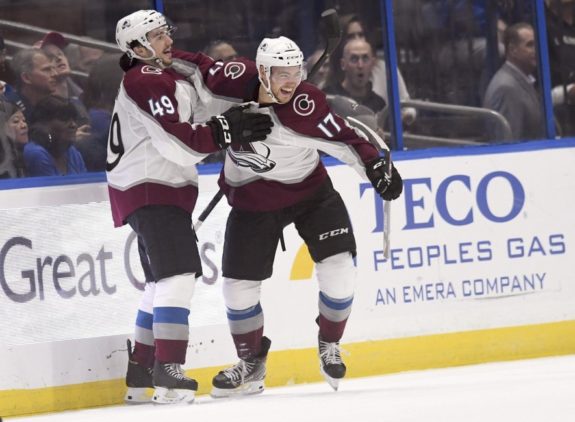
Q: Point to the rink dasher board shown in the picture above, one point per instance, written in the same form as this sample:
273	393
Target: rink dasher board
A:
479	271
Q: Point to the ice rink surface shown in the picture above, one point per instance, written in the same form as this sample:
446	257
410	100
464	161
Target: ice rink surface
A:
538	390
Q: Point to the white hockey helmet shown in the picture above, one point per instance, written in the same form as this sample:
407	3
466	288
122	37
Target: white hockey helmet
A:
135	27
279	51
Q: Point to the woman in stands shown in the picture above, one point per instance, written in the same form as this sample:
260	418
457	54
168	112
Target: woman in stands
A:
51	150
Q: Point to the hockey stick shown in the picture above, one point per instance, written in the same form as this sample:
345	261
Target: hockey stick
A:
332	35
214	201
381	146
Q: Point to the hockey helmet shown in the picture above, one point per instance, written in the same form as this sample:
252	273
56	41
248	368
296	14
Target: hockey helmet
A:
279	51
135	27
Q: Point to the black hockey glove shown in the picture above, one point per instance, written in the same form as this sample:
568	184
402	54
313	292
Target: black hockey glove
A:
388	188
239	125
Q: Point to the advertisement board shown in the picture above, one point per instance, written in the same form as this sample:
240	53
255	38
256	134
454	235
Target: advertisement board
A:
479	242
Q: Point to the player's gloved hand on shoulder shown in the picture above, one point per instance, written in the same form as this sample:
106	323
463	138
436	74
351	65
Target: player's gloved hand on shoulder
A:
237	125
388	188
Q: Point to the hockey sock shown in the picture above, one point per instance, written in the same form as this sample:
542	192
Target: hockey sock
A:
333	315
171	311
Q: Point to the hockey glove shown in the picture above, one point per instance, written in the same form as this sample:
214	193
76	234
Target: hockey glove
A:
239	126
388	188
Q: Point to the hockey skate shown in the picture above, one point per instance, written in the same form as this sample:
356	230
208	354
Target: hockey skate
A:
138	381
171	384
245	377
331	366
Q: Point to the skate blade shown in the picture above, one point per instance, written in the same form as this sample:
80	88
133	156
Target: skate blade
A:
137	395
333	382
164	395
254	387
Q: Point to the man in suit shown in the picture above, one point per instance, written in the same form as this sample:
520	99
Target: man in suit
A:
511	91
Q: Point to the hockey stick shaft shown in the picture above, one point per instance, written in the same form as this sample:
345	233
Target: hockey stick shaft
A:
333	36
211	205
382	147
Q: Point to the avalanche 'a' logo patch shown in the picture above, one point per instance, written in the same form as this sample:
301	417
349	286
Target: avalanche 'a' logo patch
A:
234	69
253	155
303	106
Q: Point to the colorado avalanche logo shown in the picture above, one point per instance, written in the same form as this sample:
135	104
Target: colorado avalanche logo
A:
253	155
234	69
151	70
303	106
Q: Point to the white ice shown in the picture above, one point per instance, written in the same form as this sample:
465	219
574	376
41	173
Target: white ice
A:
521	391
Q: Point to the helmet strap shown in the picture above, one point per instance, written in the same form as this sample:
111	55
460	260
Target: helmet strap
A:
268	87
153	58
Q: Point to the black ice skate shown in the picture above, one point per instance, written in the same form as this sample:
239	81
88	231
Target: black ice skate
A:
171	384
138	381
245	377
331	366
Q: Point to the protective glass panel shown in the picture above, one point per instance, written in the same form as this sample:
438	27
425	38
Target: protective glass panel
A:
354	72
77	60
474	63
560	20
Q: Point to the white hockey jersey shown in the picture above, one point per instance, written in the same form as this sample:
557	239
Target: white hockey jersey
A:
286	168
153	146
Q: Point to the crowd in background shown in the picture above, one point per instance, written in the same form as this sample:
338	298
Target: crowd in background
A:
478	53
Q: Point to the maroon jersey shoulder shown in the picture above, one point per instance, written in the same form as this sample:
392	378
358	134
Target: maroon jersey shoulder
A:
143	82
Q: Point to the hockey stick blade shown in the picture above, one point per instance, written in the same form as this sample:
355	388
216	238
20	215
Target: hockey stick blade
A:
381	146
332	34
332	27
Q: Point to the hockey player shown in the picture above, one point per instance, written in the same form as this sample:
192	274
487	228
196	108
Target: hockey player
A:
281	181
152	181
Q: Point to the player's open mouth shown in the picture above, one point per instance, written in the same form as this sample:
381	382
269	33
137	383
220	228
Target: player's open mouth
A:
286	91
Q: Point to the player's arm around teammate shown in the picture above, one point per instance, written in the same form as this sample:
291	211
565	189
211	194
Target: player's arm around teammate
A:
153	186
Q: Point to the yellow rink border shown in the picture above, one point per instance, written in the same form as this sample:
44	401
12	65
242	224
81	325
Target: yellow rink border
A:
362	359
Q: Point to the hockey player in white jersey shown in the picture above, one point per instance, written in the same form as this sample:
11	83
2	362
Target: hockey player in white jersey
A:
152	179
280	181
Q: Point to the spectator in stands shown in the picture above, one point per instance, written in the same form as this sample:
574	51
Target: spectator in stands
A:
355	28
51	150
13	137
467	59
6	75
221	50
357	63
54	44
101	90
511	91
35	79
560	16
